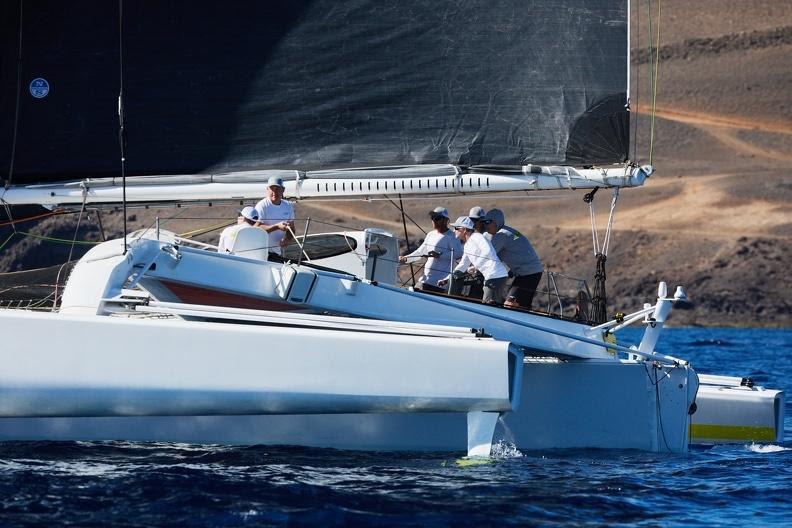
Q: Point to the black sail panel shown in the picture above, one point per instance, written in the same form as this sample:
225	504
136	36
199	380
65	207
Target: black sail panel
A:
230	86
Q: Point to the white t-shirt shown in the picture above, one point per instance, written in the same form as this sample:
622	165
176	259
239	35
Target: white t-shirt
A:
480	253
228	237
437	267
269	214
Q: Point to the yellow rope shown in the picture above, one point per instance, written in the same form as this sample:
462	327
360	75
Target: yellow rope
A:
204	230
58	240
7	239
654	81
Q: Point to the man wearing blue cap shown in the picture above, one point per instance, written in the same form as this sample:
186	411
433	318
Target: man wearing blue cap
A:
276	216
247	219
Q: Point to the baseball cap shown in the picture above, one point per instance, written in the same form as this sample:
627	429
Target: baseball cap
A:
250	213
439	211
477	213
274	181
495	215
465	222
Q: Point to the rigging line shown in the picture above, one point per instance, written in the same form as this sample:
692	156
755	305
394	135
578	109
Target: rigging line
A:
57	240
407	236
152	226
589	199
204	230
301	245
35	217
594	235
16	108
344	227
121	130
400	207
650	31
654	85
79	221
637	79
57	285
611	216
10	236
10	216
101	227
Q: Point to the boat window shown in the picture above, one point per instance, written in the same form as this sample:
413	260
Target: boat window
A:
377	250
321	246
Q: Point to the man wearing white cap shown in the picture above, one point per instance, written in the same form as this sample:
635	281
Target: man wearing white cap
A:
247	219
480	253
442	248
276	216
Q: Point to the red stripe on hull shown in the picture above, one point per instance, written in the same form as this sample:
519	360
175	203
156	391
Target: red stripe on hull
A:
191	294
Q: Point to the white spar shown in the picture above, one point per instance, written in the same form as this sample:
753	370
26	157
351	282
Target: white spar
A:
362	183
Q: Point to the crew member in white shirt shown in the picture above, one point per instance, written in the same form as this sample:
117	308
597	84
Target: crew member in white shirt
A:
478	251
247	219
442	249
276	216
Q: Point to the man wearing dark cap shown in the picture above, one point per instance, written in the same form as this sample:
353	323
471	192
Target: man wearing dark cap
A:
440	246
516	251
248	218
276	216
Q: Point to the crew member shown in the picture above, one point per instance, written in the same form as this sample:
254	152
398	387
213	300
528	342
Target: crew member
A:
477	214
516	251
248	218
442	249
479	252
276	217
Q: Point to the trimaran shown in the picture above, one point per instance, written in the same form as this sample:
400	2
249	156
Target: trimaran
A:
158	337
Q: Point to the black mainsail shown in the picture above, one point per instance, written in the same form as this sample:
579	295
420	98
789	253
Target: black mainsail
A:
306	85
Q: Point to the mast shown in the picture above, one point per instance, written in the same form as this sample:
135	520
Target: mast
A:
121	119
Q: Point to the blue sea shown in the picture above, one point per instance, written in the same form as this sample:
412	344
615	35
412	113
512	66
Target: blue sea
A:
159	484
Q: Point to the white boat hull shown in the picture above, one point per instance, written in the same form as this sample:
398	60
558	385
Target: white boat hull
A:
730	410
61	365
606	417
86	374
68	383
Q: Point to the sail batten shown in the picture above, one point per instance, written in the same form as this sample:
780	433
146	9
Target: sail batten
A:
311	85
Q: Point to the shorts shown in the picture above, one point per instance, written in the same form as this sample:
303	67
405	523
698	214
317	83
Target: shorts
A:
523	288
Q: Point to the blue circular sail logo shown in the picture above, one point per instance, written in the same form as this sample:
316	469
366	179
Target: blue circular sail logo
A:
39	88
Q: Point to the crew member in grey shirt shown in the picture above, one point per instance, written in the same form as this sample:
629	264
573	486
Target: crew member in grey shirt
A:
518	254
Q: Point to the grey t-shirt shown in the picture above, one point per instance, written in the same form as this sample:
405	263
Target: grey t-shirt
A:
516	251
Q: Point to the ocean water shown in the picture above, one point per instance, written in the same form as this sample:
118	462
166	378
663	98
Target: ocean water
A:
159	484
